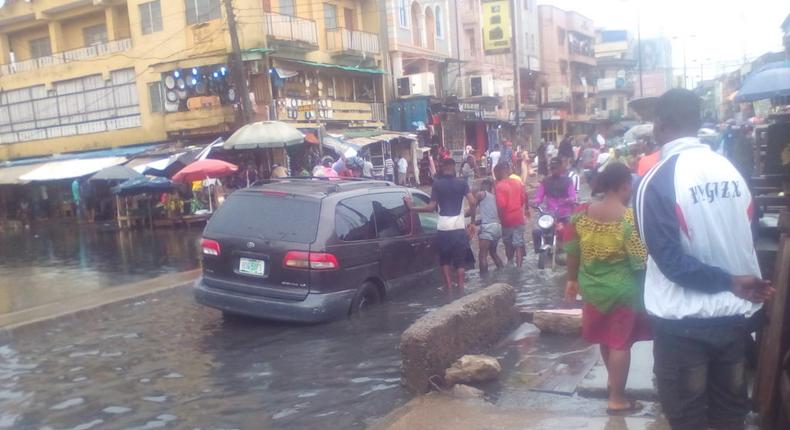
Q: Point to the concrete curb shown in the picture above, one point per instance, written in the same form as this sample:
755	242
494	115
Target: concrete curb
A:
436	340
15	323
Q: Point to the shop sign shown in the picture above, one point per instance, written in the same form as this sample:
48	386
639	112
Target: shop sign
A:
306	108
489	112
557	94
553	114
496	26
469	107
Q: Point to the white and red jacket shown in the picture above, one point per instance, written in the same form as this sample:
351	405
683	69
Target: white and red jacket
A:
693	210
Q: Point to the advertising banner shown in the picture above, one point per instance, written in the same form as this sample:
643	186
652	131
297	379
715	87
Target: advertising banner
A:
497	31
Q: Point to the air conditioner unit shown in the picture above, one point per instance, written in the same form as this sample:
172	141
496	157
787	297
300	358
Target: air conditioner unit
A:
420	84
480	86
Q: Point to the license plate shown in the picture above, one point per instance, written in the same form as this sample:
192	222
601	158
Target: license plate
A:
250	266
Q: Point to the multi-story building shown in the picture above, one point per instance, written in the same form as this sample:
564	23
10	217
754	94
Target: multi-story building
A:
326	64
419	39
616	71
80	75
656	67
568	64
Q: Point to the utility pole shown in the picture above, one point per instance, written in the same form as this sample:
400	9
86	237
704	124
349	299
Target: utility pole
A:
237	65
516	78
639	47
384	46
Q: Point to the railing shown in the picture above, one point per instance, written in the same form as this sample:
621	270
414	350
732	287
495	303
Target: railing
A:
340	39
285	27
70	56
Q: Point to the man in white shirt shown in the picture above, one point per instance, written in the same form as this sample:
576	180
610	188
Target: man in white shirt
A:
600	140
494	156
403	169
694	210
367	168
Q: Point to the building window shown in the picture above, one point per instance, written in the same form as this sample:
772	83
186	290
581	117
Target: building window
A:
156	96
470	37
330	16
288	7
563	67
403	18
603	103
95	35
151	17
199	11
40	48
439	23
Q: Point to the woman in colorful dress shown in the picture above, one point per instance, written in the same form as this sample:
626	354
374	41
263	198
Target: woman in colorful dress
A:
605	258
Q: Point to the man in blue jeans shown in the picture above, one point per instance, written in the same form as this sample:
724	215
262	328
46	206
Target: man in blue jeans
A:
693	210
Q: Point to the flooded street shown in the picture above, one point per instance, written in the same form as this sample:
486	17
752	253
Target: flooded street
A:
165	362
55	262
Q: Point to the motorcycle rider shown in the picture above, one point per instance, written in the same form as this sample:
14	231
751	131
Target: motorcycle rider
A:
558	192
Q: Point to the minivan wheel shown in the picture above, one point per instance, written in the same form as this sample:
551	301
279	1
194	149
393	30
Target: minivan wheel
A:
367	296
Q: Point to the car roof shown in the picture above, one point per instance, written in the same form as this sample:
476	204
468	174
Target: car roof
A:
318	187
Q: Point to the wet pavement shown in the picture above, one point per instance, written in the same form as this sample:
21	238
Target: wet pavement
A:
165	362
53	262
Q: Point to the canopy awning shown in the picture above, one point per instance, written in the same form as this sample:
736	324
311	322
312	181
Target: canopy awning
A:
341	67
68	169
10	175
381	137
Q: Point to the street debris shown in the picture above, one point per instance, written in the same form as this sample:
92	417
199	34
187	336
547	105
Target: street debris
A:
471	369
558	321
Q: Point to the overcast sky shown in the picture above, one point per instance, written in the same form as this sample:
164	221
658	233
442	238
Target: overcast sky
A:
723	30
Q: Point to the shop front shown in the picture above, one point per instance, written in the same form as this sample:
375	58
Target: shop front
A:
309	93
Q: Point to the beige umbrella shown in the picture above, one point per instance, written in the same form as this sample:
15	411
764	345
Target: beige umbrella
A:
264	134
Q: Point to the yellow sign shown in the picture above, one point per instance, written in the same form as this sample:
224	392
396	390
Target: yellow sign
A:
306	108
497	30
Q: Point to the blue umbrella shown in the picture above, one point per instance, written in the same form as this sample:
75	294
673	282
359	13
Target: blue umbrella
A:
143	185
771	80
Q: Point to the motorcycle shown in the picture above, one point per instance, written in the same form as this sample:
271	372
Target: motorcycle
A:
552	230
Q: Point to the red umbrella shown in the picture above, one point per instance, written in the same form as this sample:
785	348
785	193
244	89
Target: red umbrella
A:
203	169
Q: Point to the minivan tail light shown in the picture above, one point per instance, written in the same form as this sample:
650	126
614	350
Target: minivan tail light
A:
310	260
210	247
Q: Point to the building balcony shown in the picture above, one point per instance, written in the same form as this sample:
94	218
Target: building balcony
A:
304	110
202	121
291	32
64	57
580	89
342	42
581	57
615	85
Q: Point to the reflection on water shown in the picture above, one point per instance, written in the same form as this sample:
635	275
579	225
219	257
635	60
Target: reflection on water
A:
61	261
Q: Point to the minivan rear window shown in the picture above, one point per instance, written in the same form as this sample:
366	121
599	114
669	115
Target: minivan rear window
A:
284	218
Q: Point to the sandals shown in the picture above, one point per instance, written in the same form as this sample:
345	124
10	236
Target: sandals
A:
633	406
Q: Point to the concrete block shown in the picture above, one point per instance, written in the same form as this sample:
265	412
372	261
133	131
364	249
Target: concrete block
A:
465	326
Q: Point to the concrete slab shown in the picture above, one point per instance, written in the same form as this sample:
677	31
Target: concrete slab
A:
640	378
12	322
437	412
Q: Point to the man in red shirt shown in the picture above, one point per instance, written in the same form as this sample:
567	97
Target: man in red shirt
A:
511	201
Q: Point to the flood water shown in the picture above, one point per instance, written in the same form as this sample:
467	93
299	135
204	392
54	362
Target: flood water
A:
166	362
54	262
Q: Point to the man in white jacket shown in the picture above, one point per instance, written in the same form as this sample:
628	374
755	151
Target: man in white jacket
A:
693	210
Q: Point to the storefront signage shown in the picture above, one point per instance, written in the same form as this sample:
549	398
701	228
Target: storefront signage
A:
306	108
553	114
557	94
496	26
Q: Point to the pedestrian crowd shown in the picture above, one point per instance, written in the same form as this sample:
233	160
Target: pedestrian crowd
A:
662	251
